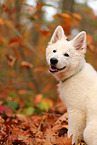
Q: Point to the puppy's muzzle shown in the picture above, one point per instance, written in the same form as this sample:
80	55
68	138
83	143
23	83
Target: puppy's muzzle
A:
53	61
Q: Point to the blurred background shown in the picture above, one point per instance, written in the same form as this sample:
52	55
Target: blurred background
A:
25	30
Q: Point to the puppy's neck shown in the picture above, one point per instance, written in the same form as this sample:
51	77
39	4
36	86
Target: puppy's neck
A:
67	74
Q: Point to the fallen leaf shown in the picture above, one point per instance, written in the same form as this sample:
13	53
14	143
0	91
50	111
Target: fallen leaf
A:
63	118
63	140
21	117
7	110
63	130
50	136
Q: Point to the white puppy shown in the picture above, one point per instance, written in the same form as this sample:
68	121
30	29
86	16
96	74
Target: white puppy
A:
77	84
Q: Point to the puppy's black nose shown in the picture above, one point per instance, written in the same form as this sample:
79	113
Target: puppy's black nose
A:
53	61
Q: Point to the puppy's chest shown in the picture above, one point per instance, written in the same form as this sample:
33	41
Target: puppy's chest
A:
72	95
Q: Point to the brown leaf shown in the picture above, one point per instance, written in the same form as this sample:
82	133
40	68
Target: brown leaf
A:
21	117
11	60
50	135
25	64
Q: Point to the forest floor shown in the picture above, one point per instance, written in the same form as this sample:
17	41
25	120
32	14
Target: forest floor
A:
43	129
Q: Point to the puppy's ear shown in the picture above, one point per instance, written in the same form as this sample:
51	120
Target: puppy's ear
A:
57	35
79	42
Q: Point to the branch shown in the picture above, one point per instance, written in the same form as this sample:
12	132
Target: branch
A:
18	34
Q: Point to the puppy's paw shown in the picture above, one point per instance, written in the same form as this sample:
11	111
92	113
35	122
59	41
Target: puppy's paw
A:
76	138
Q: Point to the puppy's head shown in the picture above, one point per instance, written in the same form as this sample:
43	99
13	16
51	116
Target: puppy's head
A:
63	55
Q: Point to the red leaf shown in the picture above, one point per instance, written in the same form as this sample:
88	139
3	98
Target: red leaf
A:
38	98
44	32
15	40
1	39
5	109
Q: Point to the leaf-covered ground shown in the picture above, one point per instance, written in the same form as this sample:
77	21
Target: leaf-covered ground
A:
44	129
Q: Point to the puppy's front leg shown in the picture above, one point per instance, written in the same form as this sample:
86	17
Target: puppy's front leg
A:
76	120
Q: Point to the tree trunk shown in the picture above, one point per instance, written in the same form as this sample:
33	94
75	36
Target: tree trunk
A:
68	5
27	72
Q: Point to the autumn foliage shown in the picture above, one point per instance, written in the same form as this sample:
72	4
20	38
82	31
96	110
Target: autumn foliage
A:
30	111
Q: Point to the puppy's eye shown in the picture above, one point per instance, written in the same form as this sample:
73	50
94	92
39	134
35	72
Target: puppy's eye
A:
54	51
66	54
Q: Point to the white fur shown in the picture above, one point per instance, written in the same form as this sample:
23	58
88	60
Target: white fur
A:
79	93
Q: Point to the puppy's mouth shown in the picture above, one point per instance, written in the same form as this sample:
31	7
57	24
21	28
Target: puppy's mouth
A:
54	69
